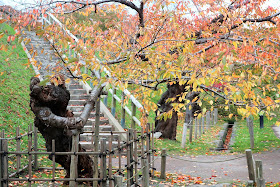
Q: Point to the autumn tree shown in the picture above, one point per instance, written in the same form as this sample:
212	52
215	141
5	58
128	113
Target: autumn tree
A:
151	43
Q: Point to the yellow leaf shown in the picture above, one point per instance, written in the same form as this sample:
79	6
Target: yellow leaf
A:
204	110
230	115
67	81
211	102
277	123
235	44
1	35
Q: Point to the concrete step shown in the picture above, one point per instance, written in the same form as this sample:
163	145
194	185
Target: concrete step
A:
74	86
78	92
92	114
75	108
77	102
78	97
101	128
87	136
102	121
89	146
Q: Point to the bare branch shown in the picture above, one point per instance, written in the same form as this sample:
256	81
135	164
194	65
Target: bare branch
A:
206	89
130	4
68	69
116	61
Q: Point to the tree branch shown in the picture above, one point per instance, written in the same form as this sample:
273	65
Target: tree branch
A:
130	4
68	69
47	116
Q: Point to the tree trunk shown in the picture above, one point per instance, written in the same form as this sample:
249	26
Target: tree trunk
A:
168	128
54	121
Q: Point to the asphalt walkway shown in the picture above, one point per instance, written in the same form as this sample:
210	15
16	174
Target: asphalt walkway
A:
223	168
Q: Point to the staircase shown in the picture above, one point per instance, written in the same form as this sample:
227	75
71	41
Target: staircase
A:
76	104
48	61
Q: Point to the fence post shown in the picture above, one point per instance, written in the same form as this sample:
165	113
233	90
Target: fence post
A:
215	115
103	168
212	118
250	125
207	120
1	163
142	149
199	127
133	115
35	147
4	162
184	136
96	140
113	110
202	124
146	173
118	181
148	146
195	127
163	164
29	160
259	174
135	156
250	163
191	130
120	155
129	157
53	162
152	150
18	149
74	158
123	111
110	172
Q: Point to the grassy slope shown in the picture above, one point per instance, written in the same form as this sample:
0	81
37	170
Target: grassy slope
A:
14	85
14	101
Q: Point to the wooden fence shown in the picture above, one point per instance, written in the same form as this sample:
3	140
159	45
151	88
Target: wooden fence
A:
198	126
255	170
138	152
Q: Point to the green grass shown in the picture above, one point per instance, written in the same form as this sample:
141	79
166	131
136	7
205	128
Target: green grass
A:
14	84
264	139
203	145
15	112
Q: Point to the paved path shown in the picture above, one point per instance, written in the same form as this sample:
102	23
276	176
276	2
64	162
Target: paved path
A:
277	131
229	171
233	170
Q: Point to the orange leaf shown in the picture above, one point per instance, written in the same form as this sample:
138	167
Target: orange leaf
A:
2	20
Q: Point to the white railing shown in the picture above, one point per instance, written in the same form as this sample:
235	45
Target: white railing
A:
51	19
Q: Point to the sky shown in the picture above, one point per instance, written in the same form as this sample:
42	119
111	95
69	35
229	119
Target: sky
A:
16	3
13	2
